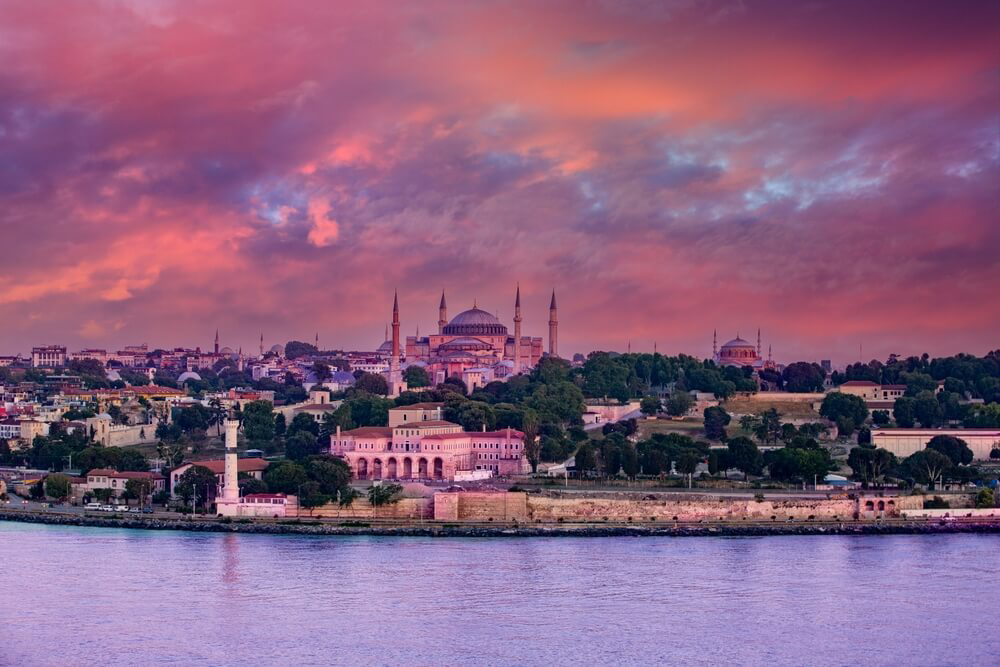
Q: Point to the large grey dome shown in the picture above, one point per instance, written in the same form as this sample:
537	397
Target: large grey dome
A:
475	322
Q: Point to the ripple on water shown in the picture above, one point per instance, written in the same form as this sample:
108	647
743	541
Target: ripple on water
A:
120	597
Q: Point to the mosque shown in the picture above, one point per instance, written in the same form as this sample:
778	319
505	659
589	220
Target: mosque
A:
739	352
474	346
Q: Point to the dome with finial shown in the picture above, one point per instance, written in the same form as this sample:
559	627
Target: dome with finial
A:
475	322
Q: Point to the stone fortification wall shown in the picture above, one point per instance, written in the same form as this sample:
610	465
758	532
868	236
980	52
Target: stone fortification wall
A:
665	507
481	506
406	508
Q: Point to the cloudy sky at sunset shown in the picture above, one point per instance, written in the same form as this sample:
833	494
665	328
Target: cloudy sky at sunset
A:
828	172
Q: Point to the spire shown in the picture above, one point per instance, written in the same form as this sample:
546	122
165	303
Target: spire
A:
517	297
442	314
758	342
715	343
517	329
475	303
216	341
386	331
395	302
553	328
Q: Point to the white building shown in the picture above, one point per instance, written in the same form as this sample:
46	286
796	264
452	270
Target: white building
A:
905	441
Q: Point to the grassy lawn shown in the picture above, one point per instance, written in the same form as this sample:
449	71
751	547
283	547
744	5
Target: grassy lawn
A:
793	409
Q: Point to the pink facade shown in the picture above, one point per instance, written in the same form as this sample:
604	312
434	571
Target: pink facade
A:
433	450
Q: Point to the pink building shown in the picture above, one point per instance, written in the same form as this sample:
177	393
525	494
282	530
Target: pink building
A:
428	450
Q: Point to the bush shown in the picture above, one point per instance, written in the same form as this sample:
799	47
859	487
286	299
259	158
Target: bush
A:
985	498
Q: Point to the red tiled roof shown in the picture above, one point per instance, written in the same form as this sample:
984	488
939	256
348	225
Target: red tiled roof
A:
859	383
431	423
894	387
420	406
265	495
370	432
154	389
514	434
128	474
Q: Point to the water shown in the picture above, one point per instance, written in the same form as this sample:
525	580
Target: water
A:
80	596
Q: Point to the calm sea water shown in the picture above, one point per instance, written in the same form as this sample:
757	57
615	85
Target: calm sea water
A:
88	596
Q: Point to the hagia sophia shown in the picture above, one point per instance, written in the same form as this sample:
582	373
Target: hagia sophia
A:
474	346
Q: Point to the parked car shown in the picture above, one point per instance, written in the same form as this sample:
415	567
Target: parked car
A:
147	510
92	506
107	508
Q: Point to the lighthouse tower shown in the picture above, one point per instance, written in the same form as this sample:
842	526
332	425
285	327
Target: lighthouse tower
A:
228	504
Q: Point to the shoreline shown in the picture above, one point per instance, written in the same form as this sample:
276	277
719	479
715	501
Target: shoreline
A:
470	529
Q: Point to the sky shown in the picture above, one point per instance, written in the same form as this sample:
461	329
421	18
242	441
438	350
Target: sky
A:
826	172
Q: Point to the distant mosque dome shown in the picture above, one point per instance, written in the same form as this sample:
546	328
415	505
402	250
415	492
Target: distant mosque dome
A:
278	349
188	375
474	322
227	350
385	348
738	352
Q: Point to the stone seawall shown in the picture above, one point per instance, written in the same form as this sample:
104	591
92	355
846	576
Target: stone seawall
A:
623	507
305	527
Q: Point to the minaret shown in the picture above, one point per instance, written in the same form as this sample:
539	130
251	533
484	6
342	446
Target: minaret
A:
395	380
715	344
262	344
316	344
442	314
216	341
230	488
517	330
758	343
553	328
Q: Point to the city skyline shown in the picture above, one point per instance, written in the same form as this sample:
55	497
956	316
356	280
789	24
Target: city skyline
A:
251	168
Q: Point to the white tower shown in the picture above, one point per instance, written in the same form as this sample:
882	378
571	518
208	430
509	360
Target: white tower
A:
227	505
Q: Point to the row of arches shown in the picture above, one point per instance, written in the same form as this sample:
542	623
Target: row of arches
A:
406	467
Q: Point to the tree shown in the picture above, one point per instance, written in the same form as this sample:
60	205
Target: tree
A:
904	411
383	494
285	477
295	349
303	422
311	495
869	465
37	490
864	436
131	460
138	489
927	409
845	426
679	403
802	376
995	453
373	384
416	376
249	485
196	482
768	430
881	417
322	371
927	465
837	405
716	420
280	425
586	460
687	463
985	498
258	423
650	405
744	456
302	445
954	448
58	486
